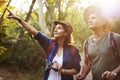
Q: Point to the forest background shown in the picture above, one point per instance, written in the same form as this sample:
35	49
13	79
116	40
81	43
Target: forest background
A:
20	53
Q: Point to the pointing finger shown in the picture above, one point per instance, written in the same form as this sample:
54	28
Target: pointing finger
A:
8	10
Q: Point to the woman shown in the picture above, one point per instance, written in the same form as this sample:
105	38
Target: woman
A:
62	56
99	55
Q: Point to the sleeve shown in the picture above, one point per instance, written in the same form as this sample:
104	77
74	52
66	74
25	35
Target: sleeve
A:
77	60
43	40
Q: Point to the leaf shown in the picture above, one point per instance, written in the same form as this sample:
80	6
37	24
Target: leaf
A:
51	1
2	2
2	49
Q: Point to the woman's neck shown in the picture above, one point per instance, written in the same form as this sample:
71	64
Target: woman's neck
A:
60	42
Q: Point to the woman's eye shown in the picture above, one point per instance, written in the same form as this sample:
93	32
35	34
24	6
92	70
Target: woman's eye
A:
59	27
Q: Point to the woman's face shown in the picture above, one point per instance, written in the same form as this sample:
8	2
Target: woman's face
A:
59	31
93	21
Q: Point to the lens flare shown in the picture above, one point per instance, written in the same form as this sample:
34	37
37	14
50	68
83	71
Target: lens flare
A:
110	7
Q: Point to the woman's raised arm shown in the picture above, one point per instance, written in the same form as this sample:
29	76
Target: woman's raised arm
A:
27	26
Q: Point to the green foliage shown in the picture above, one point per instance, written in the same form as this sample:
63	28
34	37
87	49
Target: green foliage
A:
116	25
27	54
2	2
2	6
34	19
74	15
2	50
51	1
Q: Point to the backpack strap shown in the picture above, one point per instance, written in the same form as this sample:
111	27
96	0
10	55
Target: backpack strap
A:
114	46
86	46
86	50
50	47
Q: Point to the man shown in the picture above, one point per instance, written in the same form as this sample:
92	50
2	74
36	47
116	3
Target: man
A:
101	56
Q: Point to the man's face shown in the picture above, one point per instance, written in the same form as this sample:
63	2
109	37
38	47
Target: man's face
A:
59	31
93	21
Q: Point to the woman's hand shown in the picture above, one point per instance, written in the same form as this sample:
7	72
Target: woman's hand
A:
108	75
56	66
11	15
26	25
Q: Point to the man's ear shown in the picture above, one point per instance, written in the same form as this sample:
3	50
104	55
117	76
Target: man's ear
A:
66	34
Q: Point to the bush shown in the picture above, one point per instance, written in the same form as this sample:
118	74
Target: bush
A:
25	53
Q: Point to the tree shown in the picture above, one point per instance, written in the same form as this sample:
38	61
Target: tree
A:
2	2
116	25
27	18
42	22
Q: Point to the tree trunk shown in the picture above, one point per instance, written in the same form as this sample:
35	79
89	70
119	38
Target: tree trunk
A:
42	23
27	19
1	2
30	11
49	14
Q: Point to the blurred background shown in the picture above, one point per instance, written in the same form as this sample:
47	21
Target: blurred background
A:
21	57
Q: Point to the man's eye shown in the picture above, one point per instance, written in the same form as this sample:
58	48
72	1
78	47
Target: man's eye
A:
93	17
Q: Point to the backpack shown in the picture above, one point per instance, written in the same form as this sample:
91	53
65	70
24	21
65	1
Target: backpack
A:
53	43
113	44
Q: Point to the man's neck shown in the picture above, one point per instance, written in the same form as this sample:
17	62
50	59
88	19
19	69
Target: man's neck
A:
98	34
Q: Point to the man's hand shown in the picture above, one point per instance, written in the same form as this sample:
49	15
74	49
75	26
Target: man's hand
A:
80	76
109	75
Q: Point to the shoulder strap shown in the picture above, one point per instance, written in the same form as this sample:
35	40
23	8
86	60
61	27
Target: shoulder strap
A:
50	47
86	46
113	44
86	50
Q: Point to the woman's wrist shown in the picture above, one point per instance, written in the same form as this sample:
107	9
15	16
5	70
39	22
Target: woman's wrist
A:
64	71
19	20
